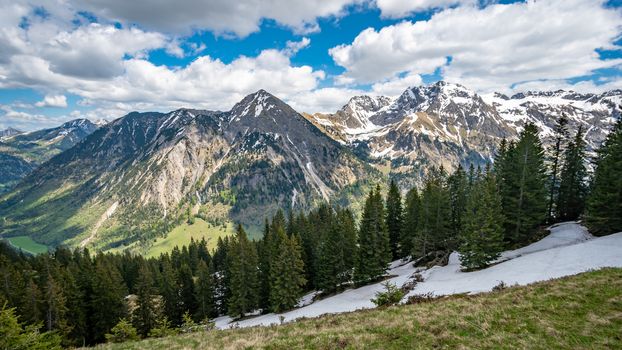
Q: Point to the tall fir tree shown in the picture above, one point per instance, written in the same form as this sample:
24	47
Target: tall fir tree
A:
572	187
481	241
458	189
374	248
434	232
286	272
394	219
524	186
147	309
243	270
205	291
604	204
412	215
561	135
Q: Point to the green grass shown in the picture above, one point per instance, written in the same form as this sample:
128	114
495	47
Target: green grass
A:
26	244
181	235
577	312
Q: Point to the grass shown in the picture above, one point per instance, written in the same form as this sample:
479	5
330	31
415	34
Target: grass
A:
26	244
181	235
576	312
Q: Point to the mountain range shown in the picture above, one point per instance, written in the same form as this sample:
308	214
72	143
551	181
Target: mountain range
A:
21	153
134	179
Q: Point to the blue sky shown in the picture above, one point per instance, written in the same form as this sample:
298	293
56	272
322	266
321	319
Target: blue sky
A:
61	60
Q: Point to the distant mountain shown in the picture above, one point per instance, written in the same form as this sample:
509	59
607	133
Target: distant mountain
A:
21	152
448	124
140	175
9	132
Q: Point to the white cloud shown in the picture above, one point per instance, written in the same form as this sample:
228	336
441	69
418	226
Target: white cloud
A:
240	17
396	86
586	86
292	47
488	48
402	8
53	101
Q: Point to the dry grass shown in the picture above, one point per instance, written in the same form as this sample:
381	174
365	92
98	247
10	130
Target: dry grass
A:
577	312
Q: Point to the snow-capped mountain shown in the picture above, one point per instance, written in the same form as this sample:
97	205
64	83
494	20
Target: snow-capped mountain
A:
137	176
447	124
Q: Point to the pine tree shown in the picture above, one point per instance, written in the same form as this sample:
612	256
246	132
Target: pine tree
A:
394	219
107	304
560	138
604	204
458	188
482	237
205	291
374	248
147	311
243	271
187	293
286	272
330	265
434	231
167	286
572	187
412	215
347	226
524	186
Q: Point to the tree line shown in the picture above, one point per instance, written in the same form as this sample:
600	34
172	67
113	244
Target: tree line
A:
75	298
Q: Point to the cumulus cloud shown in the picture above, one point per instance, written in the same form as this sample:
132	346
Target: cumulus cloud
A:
488	48
402	8
239	18
53	101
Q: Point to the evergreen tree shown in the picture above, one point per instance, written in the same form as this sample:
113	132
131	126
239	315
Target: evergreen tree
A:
604	204
147	312
458	188
55	306
394	219
243	271
482	237
374	248
560	138
524	186
167	286
347	227
330	265
107	303
411	220
572	187
187	293
286	272
434	232
205	291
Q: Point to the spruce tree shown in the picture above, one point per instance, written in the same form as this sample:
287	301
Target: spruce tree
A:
205	291
374	249
573	188
286	272
147	312
561	135
394	219
243	270
524	186
347	226
434	232
187	293
458	188
411	220
482	237
604	204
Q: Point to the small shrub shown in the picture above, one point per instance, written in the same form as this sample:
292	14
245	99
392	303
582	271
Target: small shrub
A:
390	296
163	328
499	287
122	332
